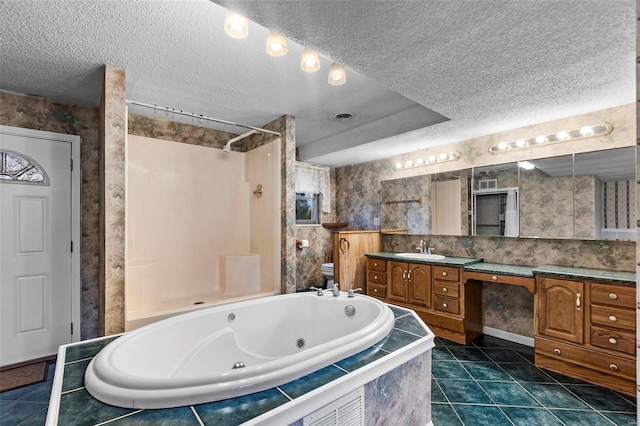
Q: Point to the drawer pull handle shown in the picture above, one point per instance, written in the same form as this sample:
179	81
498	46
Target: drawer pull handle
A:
404	275
375	277
612	340
613	318
375	290
444	305
444	274
494	278
613	367
578	302
613	296
556	351
444	289
409	275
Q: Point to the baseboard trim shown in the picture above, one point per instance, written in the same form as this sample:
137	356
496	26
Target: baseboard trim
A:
506	335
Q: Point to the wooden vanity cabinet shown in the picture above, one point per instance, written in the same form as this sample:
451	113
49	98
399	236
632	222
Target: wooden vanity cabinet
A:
436	293
586	330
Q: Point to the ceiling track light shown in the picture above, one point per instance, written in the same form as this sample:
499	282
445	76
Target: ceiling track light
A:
236	26
600	129
433	159
337	75
310	61
276	44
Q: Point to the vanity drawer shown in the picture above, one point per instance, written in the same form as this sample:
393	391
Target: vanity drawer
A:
446	304
376	264
589	358
446	273
376	290
444	288
377	277
613	317
614	295
615	340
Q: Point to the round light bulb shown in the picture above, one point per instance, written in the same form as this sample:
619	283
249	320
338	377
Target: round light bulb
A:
563	135
276	44
398	166
337	75
586	131
409	164
541	139
419	161
236	26
503	145
521	143
443	156
310	61
432	158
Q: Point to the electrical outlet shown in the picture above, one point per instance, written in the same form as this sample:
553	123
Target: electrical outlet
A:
376	221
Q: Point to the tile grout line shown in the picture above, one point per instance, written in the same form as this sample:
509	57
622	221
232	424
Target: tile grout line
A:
448	402
195	413
119	418
585	402
284	393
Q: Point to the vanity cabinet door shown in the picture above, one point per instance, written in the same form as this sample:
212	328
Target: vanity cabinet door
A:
419	284
397	281
560	309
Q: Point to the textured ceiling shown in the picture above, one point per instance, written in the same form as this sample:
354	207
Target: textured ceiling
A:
486	66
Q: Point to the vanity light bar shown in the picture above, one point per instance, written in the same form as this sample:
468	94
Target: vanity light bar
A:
433	159
600	129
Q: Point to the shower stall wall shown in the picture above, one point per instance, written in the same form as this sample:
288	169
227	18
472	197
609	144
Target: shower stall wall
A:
200	231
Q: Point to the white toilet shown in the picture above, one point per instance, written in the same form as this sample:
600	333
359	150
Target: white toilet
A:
327	273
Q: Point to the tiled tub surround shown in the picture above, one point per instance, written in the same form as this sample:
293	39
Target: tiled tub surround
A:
395	373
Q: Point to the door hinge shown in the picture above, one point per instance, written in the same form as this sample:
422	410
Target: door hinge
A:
71	246
72	329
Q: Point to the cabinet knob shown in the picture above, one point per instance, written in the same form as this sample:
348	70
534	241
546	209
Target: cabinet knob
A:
494	278
613	367
375	277
612	340
375	290
613	296
613	318
375	263
444	289
444	274
444	305
556	351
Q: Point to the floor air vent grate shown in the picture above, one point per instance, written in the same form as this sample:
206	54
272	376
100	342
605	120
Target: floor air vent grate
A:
346	411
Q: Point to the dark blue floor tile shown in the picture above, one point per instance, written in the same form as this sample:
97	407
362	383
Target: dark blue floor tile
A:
561	378
74	375
37	419
40	392
527	353
311	381
361	359
181	416
80	408
86	350
481	415
439	353
602	399
509	393
580	417
410	324
622	419
468	354
18	411
18	393
398	311
504	355
443	415
486	371
526	373
450	343
554	396
436	392
239	410
464	391
531	416
449	370
396	339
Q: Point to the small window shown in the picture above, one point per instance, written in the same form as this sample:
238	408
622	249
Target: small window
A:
18	168
307	209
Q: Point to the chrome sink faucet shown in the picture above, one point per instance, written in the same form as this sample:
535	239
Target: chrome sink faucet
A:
423	247
335	290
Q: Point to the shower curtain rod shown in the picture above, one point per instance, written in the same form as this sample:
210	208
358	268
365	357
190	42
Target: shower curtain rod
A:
200	116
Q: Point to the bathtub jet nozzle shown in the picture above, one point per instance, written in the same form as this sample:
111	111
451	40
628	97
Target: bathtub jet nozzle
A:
237	365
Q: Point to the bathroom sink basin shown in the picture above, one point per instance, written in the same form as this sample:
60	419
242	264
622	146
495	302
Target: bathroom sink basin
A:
421	256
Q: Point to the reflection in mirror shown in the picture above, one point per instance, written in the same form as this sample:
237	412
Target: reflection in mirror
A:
546	198
605	195
419	215
393	211
450	203
496	200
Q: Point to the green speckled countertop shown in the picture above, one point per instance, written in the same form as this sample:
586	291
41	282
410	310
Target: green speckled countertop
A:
447	261
501	269
594	274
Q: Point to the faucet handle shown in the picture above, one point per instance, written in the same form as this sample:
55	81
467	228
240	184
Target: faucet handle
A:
352	292
429	250
319	291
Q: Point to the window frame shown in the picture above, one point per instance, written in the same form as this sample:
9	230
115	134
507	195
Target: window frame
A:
316	203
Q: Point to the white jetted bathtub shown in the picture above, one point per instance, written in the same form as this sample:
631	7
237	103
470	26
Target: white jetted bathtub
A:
190	359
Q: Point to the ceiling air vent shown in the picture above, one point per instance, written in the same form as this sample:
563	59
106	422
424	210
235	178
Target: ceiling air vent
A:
343	117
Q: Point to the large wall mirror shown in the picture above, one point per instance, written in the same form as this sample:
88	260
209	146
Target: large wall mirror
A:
583	196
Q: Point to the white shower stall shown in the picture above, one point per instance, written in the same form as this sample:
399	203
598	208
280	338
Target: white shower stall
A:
202	227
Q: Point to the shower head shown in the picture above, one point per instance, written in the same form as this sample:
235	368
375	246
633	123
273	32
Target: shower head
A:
227	147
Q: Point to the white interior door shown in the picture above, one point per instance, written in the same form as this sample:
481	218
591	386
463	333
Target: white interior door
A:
35	257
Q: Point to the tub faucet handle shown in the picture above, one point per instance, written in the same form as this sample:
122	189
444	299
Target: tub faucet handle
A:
335	290
319	291
352	292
